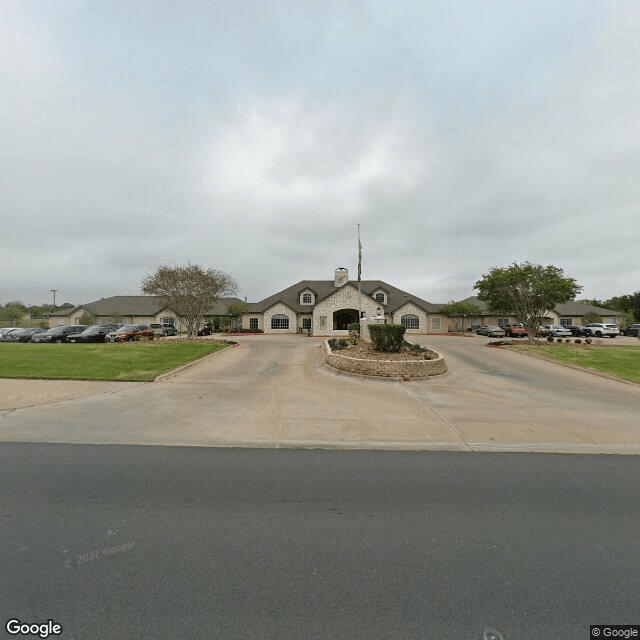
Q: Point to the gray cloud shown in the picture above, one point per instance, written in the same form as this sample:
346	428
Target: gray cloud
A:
254	137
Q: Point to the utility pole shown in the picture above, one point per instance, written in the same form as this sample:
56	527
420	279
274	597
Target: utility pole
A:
54	295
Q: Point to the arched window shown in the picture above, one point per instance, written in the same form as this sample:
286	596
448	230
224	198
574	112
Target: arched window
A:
306	298
410	321
380	297
280	322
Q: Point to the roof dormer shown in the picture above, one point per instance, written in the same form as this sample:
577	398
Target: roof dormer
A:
307	297
380	295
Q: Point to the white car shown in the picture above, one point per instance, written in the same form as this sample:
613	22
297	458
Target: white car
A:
600	329
557	331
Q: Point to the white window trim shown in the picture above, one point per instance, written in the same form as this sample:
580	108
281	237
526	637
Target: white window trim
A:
280	317
410	317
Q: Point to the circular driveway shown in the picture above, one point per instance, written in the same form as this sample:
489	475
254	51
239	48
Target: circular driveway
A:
275	391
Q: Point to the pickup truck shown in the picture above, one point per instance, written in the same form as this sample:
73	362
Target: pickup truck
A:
631	330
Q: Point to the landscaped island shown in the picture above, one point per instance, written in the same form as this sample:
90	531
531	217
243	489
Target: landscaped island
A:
361	358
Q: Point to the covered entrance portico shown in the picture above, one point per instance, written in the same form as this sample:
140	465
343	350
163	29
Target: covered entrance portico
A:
342	318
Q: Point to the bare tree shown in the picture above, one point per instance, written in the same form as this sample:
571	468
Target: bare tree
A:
189	291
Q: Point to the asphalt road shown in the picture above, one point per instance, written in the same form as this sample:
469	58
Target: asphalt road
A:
275	391
170	542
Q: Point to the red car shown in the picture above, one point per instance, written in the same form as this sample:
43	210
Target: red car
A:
129	332
514	330
206	330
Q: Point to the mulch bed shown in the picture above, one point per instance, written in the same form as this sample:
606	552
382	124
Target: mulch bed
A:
200	340
365	351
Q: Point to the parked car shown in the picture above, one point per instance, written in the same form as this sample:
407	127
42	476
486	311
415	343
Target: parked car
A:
7	336
5	329
542	331
600	330
129	332
206	330
493	331
94	333
169	329
158	329
575	330
631	330
58	334
20	335
514	330
557	331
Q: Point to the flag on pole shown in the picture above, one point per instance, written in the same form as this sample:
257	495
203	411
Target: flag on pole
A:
359	276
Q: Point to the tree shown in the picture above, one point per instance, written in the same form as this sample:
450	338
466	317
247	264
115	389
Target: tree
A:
526	291
13	311
233	310
590	317
458	311
88	318
627	304
189	291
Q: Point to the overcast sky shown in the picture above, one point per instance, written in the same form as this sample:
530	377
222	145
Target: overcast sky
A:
254	136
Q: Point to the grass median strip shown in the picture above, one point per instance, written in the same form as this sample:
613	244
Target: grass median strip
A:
132	361
623	362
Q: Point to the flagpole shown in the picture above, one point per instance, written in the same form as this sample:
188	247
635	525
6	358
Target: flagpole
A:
359	279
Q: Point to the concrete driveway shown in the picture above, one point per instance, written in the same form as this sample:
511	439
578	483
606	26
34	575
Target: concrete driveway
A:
275	391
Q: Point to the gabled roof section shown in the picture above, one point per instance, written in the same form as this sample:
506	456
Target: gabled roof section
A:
582	308
572	308
222	305
307	289
140	306
64	312
125	306
324	288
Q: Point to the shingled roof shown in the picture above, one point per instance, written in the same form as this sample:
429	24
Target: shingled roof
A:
139	306
572	308
324	288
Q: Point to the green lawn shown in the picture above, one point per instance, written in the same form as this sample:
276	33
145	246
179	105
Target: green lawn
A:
138	361
623	362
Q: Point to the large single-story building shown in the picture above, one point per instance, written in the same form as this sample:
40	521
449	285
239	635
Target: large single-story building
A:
132	309
321	307
327	307
565	314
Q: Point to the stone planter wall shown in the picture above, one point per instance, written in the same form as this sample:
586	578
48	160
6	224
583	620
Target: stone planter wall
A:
386	368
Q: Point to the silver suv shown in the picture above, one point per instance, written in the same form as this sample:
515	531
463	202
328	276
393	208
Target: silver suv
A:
557	331
600	329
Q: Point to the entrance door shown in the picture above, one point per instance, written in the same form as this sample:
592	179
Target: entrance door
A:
343	318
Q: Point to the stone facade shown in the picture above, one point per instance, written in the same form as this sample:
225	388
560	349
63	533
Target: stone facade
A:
414	310
279	309
402	369
345	297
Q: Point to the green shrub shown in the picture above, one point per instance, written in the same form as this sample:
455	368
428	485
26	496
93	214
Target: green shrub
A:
414	347
387	337
549	338
354	328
